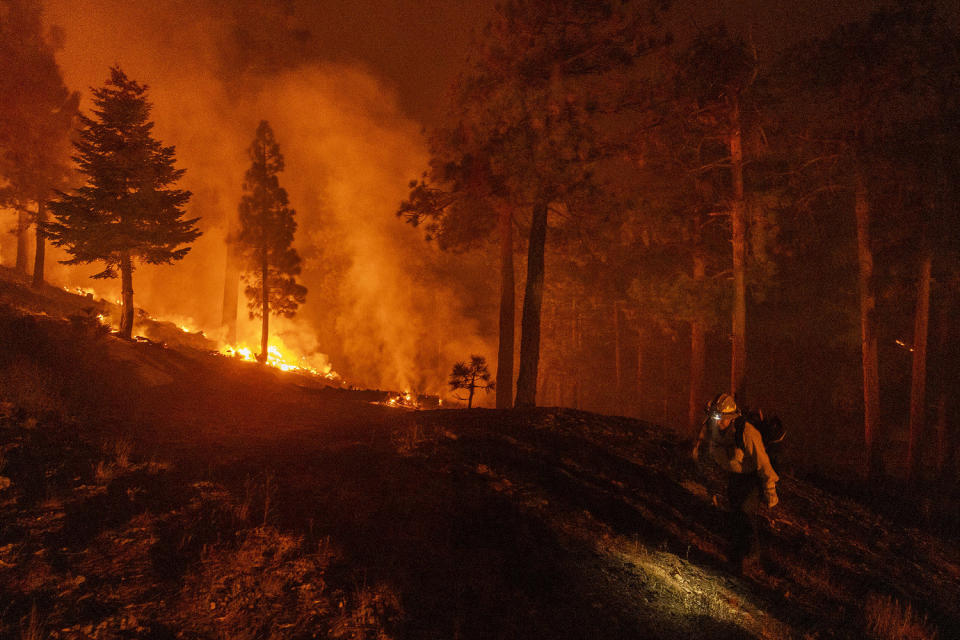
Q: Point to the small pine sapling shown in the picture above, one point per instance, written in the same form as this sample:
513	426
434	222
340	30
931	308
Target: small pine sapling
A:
471	377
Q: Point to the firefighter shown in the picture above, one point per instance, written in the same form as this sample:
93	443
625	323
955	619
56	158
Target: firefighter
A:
736	446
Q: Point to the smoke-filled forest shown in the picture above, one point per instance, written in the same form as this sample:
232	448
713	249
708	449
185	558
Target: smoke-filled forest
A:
278	276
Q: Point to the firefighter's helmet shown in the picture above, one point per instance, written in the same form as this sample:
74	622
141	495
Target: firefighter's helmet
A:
723	406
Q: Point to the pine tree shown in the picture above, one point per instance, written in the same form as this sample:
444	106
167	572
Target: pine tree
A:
129	209
718	72
471	377
521	133
871	108
37	115
267	227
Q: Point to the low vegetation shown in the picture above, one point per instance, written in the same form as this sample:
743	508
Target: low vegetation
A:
151	492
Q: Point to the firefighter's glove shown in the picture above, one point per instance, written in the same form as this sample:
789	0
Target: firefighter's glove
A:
772	498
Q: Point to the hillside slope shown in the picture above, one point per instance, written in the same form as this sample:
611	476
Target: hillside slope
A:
156	492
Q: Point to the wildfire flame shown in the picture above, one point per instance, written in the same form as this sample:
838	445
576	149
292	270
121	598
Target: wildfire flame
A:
81	291
410	400
279	355
278	359
405	399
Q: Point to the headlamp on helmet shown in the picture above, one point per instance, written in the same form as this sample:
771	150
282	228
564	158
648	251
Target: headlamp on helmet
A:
723	405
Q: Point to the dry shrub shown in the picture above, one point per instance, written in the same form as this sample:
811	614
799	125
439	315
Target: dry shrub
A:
887	619
266	587
366	613
31	628
104	472
258	506
116	462
121	450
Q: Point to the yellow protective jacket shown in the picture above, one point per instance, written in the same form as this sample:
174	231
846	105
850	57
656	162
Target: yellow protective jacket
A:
723	448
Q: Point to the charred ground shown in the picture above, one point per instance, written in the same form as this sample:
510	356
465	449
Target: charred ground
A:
163	492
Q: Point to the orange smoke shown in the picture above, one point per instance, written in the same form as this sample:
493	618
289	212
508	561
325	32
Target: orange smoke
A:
384	308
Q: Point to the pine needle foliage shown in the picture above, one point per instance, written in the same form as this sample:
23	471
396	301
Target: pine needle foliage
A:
129	204
129	209
267	227
471	377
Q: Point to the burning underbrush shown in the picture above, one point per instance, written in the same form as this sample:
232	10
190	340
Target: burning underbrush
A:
283	358
409	400
98	314
182	331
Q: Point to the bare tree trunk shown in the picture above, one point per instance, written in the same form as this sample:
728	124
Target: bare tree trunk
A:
504	382
941	432
868	336
39	255
264	308
640	404
231	286
738	359
698	353
23	240
943	332
126	288
617	364
918	381
578	350
532	303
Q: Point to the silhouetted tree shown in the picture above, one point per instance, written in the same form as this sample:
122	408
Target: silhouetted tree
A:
456	204
128	210
523	128
37	114
267	227
717	73
850	99
471	377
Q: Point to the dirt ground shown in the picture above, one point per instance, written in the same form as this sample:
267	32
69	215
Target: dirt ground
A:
152	492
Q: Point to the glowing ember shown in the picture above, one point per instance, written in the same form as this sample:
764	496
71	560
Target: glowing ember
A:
81	291
406	400
904	345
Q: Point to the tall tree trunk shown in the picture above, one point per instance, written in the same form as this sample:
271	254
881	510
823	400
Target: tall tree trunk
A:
39	256
264	308
738	223
470	397
640	404
941	433
943	334
868	335
231	286
126	289
504	382
617	361
23	240
918	380
532	303
698	352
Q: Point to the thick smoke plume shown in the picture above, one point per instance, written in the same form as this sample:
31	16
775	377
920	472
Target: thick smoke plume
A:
378	304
